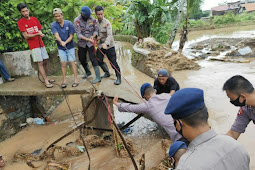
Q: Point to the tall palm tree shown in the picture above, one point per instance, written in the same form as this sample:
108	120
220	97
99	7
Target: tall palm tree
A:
192	5
177	22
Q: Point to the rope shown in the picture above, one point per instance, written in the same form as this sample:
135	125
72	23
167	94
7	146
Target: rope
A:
95	46
106	104
84	144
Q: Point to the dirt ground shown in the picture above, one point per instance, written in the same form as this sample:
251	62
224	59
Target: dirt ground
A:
162	57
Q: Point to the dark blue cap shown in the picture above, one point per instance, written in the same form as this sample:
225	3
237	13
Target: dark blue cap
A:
85	10
144	87
185	102
175	147
163	73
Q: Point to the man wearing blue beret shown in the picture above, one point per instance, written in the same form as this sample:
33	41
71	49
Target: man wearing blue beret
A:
86	29
153	107
241	94
176	150
165	83
207	149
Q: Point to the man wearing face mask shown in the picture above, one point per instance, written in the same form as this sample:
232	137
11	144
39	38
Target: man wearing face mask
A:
207	149
86	29
153	107
241	94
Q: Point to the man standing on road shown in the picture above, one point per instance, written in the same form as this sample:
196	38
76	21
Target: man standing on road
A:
165	83
207	149
63	31
30	28
106	45
153	107
85	28
241	94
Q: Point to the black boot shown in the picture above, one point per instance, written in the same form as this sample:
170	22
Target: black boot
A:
118	81
97	72
106	71
88	72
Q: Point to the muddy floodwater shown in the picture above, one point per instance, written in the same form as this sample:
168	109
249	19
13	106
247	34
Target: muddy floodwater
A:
210	78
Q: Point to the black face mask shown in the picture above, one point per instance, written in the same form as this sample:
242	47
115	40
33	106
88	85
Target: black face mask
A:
85	18
180	131
237	102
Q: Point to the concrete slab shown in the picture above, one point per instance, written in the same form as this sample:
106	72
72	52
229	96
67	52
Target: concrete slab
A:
31	86
124	90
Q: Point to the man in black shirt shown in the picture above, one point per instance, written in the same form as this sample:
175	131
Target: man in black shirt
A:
165	83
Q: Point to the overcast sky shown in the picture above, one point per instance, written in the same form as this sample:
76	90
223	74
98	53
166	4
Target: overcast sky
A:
208	4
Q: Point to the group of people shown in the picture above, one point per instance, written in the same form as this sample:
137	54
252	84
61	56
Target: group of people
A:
184	116
181	112
94	37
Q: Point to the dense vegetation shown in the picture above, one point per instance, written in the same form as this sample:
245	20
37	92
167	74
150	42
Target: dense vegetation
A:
223	20
143	18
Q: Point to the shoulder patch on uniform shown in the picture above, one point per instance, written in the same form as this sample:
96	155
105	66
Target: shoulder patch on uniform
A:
240	112
95	21
108	25
77	22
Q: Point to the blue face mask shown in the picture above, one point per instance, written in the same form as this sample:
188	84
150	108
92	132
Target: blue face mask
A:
237	102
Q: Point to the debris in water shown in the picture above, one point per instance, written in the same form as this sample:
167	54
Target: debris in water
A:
119	146
92	141
58	166
245	50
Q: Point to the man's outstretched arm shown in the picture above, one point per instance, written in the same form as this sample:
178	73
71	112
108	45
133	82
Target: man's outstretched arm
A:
127	107
233	134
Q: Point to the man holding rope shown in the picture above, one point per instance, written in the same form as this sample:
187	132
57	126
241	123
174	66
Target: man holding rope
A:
86	30
63	31
106	45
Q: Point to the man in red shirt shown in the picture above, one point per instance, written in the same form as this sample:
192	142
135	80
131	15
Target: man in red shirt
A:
30	28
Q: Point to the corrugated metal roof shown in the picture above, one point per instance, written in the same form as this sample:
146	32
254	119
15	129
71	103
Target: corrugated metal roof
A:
249	7
220	8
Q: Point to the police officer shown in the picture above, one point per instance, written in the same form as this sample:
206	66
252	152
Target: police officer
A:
207	149
86	30
241	94
106	44
152	109
176	150
165	83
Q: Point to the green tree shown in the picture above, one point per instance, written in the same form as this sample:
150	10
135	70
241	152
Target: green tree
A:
10	37
9	15
111	11
138	12
147	16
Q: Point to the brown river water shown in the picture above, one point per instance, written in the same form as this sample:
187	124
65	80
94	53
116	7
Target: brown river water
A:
210	78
